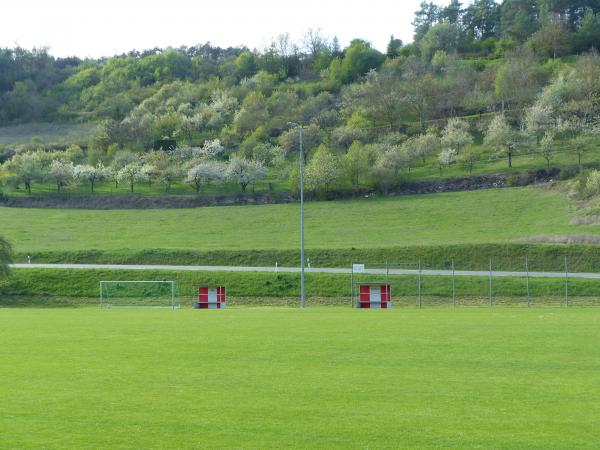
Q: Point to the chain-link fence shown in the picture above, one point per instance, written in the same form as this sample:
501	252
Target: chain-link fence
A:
499	283
492	282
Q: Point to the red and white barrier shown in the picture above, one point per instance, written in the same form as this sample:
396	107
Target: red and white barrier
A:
375	295
211	297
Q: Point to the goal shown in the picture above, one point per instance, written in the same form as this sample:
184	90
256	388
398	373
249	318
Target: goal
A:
145	294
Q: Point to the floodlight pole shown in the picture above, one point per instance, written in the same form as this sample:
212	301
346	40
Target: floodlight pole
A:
301	155
302	214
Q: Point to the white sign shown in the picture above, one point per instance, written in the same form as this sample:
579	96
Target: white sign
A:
358	268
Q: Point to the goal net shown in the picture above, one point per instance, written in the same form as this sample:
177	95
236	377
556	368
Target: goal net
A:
147	294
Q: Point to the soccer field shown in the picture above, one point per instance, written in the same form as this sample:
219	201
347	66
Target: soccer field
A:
283	377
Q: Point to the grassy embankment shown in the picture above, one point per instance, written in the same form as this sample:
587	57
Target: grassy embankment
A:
469	227
333	378
372	229
55	287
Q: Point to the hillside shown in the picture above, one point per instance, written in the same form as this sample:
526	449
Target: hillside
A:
482	86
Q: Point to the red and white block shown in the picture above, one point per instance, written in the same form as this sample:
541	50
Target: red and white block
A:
211	297
375	296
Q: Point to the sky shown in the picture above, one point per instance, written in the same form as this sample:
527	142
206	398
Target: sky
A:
109	27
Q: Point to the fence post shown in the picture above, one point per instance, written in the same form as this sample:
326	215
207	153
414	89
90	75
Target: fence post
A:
491	301
566	283
453	286
420	300
528	290
387	272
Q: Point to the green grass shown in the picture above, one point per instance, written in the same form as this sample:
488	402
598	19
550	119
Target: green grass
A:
76	288
46	134
476	217
287	378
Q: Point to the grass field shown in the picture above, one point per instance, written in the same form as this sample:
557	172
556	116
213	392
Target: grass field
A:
46	133
282	378
425	220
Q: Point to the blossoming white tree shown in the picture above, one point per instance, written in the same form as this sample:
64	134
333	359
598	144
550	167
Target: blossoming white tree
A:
245	171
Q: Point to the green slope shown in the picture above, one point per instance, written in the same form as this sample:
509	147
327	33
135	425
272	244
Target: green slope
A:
476	217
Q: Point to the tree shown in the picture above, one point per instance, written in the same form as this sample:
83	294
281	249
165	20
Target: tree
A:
518	19
588	34
395	158
314	42
75	154
379	97
482	19
444	36
168	175
446	158
424	145
580	145
91	174
6	255
212	149
267	154
61	172
346	135
131	173
358	59
394	45
356	162
547	146
25	168
252	114
427	15
538	119
244	171
502	137
204	173
469	157
519	79
323	170
456	134
120	160
452	13
290	139
245	64
552	39
420	88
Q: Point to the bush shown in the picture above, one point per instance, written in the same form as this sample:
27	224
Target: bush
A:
568	172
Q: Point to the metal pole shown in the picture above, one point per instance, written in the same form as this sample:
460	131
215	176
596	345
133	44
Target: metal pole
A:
420	300
101	294
173	295
528	290
491	301
302	298
566	283
453	286
387	273
352	285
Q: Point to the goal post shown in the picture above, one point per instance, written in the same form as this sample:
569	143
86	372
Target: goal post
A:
142	294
